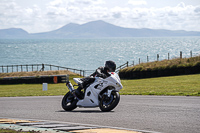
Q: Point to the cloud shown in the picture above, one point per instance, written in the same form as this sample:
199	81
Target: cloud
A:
61	12
180	17
137	2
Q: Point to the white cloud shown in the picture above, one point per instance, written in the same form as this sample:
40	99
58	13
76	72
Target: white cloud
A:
137	2
60	12
181	17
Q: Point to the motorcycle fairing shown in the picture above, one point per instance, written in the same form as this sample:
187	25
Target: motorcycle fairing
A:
91	94
91	98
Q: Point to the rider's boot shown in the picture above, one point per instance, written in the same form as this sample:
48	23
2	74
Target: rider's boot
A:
79	93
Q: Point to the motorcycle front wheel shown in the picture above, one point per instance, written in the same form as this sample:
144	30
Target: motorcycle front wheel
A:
69	102
109	103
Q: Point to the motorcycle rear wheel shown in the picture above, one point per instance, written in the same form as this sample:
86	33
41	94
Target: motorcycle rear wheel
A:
109	103
69	102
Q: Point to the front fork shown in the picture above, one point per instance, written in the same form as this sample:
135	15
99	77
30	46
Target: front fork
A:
109	92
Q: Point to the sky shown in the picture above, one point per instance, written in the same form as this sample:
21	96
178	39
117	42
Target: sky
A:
36	16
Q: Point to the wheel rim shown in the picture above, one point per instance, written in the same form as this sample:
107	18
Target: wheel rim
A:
107	101
68	101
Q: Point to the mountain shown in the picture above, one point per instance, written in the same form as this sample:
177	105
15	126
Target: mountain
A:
13	33
94	29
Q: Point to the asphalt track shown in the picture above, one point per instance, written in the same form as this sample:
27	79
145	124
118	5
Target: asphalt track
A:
167	114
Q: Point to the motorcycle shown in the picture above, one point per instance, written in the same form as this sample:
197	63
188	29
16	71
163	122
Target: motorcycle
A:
102	93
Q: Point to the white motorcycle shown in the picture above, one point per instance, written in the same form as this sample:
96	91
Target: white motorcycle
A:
102	93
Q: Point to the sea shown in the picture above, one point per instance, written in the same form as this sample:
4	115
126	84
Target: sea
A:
89	54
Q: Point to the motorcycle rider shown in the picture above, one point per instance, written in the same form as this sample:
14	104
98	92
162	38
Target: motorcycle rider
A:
102	72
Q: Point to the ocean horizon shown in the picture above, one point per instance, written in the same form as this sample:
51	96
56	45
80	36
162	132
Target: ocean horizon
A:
89	54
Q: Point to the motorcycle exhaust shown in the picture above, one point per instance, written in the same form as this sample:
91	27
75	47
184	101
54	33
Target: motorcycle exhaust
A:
71	89
70	86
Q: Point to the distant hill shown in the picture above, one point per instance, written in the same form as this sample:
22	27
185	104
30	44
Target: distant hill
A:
13	33
94	29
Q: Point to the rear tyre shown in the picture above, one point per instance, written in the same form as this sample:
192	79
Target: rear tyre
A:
69	102
109	103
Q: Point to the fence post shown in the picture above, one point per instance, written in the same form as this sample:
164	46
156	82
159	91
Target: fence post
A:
7	69
42	67
127	63
27	68
21	69
180	54
168	56
147	58
139	60
17	68
12	68
2	70
32	67
191	53
133	63
157	57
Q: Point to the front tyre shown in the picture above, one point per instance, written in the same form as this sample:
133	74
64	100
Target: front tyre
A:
109	103
69	102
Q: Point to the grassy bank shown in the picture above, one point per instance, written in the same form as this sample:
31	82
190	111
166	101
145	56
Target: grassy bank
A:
165	64
174	85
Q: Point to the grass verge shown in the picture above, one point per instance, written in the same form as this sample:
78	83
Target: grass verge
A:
186	85
14	131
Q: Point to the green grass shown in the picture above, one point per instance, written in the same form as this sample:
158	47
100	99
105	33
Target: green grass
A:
175	85
34	89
